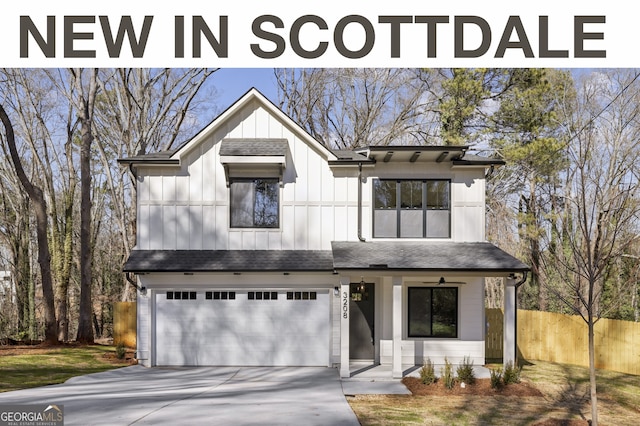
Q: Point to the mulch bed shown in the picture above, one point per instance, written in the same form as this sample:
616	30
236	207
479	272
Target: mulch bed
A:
480	387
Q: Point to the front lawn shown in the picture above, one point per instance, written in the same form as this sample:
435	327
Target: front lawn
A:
564	401
24	367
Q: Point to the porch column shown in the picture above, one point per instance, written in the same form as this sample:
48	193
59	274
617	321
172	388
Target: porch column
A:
509	343
396	362
344	326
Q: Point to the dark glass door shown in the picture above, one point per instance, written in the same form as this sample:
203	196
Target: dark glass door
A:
361	327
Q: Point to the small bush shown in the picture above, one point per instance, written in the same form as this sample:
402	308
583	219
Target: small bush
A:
121	351
427	372
447	374
496	378
511	374
465	371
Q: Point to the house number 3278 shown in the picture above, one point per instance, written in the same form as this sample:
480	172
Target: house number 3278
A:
345	305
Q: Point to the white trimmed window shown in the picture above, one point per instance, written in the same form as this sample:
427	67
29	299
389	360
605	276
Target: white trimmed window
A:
255	203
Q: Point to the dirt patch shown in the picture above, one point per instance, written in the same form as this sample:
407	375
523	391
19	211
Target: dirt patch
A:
481	387
112	358
31	349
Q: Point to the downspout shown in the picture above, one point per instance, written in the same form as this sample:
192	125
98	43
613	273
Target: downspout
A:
515	325
360	203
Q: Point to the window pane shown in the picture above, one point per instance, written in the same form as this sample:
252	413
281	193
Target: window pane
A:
438	194
242	204
385	223
266	203
445	312
419	312
411	194
438	224
384	194
255	203
411	223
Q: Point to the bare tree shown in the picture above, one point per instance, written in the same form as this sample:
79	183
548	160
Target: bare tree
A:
36	196
351	108
84	96
599	220
40	117
141	110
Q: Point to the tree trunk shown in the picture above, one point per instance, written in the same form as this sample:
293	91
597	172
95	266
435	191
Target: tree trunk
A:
85	329
40	209
592	374
85	107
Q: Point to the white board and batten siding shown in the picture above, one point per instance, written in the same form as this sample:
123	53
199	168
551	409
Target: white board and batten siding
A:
188	207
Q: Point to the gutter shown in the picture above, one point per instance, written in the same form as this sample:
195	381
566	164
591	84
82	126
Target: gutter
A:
360	203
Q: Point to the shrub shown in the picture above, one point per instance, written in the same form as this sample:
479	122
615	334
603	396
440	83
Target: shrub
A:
427	372
511	374
465	371
496	378
120	351
447	374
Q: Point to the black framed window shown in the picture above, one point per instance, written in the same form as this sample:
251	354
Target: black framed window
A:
411	208
433	312
255	203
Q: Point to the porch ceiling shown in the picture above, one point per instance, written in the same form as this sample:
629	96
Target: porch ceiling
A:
424	256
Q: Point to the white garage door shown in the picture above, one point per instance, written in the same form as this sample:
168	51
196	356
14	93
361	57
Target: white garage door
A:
248	327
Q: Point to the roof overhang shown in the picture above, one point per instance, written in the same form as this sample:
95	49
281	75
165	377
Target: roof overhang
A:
420	257
413	153
408	258
229	261
254	157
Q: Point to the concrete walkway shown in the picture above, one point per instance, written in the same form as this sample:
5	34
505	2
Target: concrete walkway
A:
206	395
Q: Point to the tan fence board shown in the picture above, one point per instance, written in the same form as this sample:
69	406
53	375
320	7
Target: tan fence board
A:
124	324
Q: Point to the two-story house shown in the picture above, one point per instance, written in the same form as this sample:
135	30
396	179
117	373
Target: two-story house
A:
259	246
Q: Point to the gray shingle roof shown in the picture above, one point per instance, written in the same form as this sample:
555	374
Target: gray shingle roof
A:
228	260
378	255
254	147
424	256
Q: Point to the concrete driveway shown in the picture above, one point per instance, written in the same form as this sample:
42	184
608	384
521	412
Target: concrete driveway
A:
197	396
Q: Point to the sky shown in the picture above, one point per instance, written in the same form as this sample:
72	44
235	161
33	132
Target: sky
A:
232	83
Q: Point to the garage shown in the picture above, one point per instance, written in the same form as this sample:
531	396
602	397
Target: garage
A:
231	327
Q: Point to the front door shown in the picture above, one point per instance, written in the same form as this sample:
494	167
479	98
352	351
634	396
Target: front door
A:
361	307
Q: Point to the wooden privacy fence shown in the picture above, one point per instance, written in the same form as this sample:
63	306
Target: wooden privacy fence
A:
124	324
548	336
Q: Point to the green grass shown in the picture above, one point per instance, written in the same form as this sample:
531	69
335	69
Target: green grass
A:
53	365
566	397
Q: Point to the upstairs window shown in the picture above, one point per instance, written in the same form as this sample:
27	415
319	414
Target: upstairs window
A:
411	209
255	203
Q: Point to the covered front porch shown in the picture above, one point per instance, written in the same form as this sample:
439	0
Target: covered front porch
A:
405	302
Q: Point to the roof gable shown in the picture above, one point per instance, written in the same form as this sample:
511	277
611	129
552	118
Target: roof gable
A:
253	95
